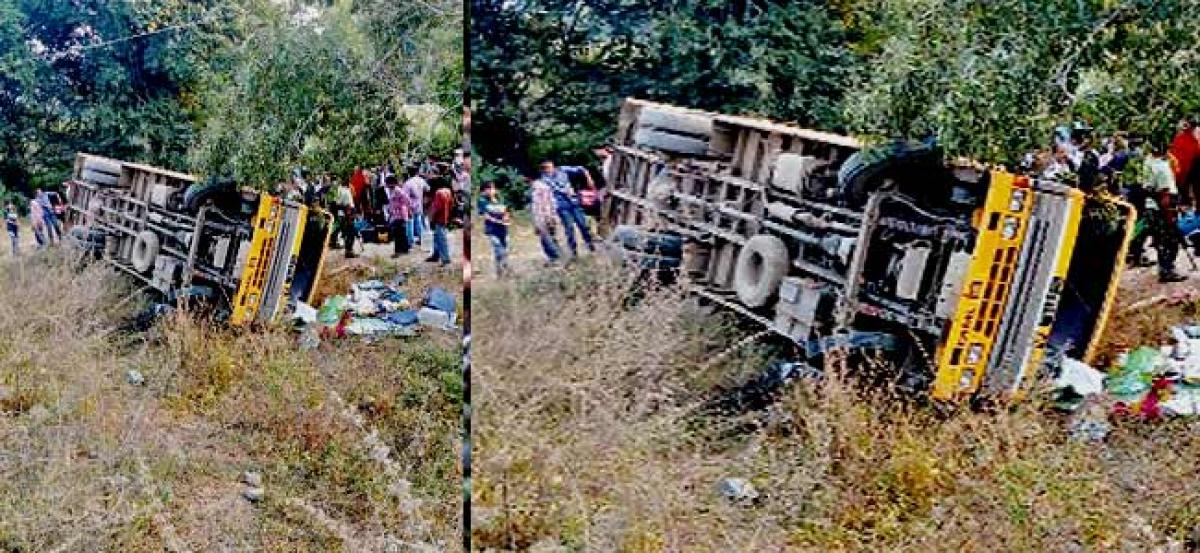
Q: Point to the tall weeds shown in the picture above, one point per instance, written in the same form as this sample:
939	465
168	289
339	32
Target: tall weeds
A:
587	438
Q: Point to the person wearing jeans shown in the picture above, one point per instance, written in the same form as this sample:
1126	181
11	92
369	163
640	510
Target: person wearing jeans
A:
544	217
495	225
416	186
399	216
439	218
49	221
1162	221
567	204
37	222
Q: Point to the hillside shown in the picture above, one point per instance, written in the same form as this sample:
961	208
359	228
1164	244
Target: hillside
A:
589	439
355	443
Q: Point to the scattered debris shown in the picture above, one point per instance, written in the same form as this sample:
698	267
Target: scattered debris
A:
252	479
440	299
310	338
133	376
1081	378
254	494
435	318
1090	422
738	490
1148	383
305	313
374	309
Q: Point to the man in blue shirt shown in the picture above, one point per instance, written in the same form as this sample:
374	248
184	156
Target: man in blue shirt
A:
566	202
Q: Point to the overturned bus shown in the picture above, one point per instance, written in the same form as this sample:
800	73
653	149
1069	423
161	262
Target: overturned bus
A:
966	278
250	254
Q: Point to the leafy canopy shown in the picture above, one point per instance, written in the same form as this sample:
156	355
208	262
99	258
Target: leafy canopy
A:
990	78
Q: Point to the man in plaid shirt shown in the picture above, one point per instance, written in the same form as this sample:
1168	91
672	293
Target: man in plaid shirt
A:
545	215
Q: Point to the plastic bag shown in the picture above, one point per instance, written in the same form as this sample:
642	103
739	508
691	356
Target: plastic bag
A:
332	310
1135	376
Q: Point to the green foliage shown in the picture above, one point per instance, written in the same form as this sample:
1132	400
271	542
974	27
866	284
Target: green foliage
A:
70	81
513	187
990	79
242	86
548	75
330	94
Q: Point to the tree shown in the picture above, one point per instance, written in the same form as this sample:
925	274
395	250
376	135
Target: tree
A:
993	79
548	75
103	77
327	88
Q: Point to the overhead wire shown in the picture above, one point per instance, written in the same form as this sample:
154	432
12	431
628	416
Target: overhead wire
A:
104	44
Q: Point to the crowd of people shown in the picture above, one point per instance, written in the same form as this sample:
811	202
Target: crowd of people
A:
402	203
566	199
1161	181
44	220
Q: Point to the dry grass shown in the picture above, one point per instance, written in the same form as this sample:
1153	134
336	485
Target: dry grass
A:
586	440
89	462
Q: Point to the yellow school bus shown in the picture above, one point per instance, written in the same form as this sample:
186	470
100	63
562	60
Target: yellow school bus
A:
251	254
966	278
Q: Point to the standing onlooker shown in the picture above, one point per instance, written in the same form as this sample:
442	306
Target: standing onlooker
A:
566	202
1162	188
439	219
41	198
358	188
1085	158
10	223
415	187
1184	148
399	216
495	225
605	155
37	222
544	216
344	206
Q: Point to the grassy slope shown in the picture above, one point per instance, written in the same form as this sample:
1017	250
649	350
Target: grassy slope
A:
90	462
585	441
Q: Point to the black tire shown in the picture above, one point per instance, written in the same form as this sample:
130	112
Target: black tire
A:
633	238
88	240
145	250
99	166
668	142
676	121
761	265
222	192
99	179
865	171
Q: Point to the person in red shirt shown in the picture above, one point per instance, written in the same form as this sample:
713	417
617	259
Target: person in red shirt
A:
1184	148
439	219
358	186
